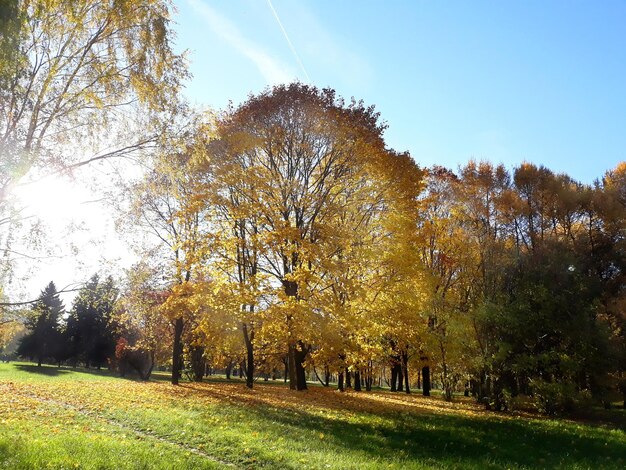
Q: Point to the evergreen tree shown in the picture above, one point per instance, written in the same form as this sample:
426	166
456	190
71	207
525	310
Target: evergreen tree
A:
45	338
90	330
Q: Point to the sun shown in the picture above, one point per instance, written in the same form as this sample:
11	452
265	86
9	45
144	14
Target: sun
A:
52	197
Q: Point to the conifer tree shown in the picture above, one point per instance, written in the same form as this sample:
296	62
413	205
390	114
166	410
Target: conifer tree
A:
44	339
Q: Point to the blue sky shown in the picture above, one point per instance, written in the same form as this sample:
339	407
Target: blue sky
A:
506	81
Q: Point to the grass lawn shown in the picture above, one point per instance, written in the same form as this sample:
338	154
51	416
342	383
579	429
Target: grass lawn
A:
61	418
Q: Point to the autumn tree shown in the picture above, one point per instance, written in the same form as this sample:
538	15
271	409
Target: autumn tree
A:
550	245
486	207
292	154
167	223
449	258
144	332
236	297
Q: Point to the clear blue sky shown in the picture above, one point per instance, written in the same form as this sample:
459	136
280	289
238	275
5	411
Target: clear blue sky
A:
540	81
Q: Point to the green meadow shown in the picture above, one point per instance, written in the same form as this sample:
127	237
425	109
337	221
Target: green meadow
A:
63	418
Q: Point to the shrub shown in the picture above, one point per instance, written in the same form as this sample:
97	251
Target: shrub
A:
554	398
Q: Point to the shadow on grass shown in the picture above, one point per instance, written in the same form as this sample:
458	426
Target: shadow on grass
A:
452	440
429	438
51	371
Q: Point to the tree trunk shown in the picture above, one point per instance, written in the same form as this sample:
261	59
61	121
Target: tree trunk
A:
474	388
394	377
319	378
177	351
229	369
405	371
291	290
357	381
419	379
146	375
340	382
286	362
400	387
299	358
248	337
326	376
348	379
426	380
197	363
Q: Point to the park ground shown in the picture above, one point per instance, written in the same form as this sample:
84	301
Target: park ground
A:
62	418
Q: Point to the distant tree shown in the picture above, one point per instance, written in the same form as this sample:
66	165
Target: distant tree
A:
171	224
145	334
90	330
44	339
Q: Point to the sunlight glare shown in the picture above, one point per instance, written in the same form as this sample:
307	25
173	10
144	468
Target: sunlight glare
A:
53	198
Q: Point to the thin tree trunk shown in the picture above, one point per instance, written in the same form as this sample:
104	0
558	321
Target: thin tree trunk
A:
348	379
405	370
426	380
369	379
357	381
248	337
319	378
340	382
291	290
400	387
177	351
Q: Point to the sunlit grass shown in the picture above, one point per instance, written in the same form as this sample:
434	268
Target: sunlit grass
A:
64	418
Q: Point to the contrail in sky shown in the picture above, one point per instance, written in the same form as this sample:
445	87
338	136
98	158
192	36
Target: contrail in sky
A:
293	49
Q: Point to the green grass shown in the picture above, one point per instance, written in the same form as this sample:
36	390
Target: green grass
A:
61	418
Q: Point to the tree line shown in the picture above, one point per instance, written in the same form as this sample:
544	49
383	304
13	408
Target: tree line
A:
291	237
